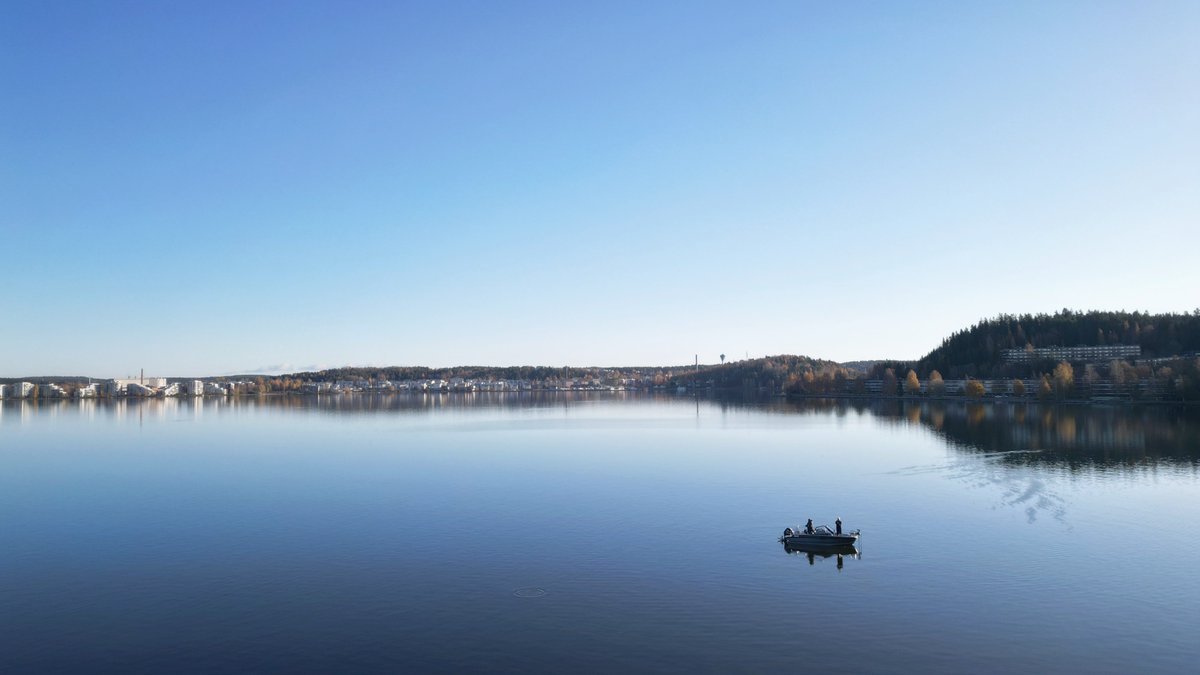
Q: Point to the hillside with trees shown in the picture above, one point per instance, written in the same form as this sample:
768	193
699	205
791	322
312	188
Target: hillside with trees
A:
784	373
977	351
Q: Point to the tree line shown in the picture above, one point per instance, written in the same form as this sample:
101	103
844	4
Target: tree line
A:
784	373
977	351
1176	379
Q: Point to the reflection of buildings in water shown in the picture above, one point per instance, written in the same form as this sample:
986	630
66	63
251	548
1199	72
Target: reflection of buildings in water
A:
21	411
170	407
1106	437
420	403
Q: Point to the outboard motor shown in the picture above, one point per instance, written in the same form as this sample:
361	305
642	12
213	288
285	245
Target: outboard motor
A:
787	532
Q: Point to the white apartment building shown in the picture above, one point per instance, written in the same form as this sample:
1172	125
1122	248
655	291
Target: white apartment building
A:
1093	353
19	390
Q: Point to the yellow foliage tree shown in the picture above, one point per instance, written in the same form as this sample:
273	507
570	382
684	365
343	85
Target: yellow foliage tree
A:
1064	379
912	385
1045	391
975	389
937	386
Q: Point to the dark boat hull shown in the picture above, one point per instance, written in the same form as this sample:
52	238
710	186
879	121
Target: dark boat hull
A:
823	551
800	541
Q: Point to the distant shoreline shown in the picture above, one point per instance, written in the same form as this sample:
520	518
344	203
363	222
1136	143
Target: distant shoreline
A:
702	393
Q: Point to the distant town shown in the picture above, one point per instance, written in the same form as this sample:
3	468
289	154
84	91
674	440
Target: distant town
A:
1067	356
145	387
1083	373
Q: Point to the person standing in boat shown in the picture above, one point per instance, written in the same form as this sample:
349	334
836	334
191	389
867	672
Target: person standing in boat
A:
838	524
808	529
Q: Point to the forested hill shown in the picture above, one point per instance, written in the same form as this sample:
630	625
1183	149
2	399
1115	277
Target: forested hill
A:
781	369
771	373
977	351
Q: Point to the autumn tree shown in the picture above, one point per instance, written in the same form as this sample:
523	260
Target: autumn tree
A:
1165	373
1064	379
937	386
1045	390
975	389
912	385
1018	387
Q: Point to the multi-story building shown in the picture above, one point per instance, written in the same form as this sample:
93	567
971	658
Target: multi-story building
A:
1084	353
19	390
135	389
151	382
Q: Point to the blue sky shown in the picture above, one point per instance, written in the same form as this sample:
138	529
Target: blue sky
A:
202	188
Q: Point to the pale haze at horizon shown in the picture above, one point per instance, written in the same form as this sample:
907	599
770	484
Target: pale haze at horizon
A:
242	187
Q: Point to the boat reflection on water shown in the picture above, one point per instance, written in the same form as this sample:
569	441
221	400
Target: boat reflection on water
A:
823	552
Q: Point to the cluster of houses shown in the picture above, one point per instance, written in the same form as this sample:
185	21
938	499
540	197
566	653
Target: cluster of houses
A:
143	387
160	386
461	384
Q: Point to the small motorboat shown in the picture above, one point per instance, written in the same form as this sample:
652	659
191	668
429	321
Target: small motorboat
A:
818	537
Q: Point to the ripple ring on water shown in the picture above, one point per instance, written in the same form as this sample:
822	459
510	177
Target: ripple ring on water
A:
529	592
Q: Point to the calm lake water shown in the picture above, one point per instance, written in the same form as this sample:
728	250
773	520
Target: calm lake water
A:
594	533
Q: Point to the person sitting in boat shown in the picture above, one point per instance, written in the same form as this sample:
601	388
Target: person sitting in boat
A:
808	529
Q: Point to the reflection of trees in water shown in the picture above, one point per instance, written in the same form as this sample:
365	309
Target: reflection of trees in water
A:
1074	437
1018	449
1070	436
